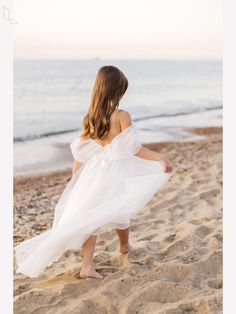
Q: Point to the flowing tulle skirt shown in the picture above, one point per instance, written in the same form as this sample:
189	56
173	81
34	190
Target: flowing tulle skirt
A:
100	196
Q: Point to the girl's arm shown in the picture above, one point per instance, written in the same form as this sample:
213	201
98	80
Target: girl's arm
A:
150	155
125	121
76	166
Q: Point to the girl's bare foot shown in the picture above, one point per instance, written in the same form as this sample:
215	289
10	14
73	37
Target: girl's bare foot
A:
125	248
89	273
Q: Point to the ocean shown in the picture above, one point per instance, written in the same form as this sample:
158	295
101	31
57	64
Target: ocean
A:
51	98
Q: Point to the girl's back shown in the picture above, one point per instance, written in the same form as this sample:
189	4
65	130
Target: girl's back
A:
115	128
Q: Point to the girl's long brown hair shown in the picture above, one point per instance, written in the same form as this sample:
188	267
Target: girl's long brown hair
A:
110	85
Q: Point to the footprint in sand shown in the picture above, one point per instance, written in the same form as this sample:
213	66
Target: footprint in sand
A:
203	231
160	291
215	283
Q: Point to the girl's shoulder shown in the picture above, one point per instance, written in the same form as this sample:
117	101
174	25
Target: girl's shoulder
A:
121	113
124	117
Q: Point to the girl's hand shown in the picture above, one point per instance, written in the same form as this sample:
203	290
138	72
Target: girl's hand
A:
166	166
151	155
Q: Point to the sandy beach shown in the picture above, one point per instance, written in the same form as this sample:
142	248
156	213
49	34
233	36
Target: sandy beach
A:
175	266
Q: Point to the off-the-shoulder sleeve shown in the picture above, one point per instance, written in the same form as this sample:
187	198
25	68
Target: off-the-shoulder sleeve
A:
82	150
132	139
127	142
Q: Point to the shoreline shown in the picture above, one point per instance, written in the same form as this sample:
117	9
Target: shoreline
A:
198	131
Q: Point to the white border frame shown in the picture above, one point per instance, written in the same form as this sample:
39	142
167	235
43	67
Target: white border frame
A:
229	160
6	164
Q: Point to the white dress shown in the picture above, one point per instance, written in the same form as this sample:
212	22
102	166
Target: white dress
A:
109	188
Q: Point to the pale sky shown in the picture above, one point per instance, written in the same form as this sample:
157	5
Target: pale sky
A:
124	29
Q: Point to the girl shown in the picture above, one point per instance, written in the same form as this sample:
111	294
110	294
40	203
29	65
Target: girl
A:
113	176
